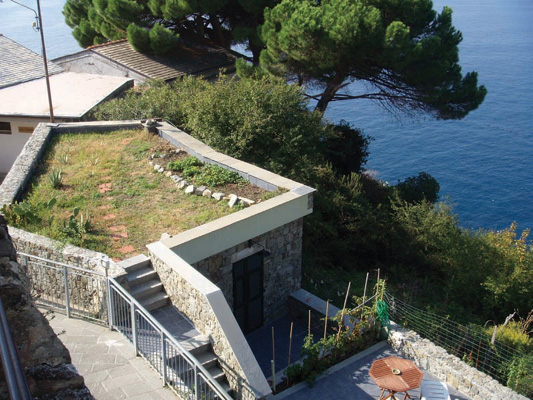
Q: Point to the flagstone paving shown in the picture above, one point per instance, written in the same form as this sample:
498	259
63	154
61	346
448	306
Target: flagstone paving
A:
107	362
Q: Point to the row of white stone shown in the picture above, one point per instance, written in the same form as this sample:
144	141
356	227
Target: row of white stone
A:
188	188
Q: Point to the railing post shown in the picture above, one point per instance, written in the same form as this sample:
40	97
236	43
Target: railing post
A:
110	306
134	328
67	300
164	358
196	389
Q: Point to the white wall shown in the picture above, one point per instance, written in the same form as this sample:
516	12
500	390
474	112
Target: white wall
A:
11	145
91	63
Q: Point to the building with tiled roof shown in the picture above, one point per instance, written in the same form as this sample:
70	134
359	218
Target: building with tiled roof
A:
19	64
118	58
24	97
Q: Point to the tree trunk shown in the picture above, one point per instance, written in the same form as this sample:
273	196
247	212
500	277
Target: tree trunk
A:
329	93
256	51
218	35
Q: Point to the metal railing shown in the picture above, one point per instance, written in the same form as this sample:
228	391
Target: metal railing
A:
15	379
75	290
178	368
89	294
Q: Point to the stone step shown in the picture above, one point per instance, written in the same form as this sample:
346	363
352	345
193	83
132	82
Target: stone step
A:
217	373
145	289
213	369
208	359
155	301
142	275
135	263
197	345
226	387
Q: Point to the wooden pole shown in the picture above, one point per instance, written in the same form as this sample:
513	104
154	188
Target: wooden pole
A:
309	324
273	362
290	351
366	284
364	293
326	320
343	310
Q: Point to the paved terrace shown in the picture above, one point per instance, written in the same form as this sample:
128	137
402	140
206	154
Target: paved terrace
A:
106	360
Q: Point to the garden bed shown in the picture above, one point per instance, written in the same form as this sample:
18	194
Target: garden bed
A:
101	191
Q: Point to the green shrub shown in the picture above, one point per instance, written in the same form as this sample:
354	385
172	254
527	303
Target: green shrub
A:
213	176
520	375
513	336
181	165
416	189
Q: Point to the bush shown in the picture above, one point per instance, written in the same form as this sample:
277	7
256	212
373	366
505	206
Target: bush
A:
214	176
513	336
520	375
346	149
154	99
416	189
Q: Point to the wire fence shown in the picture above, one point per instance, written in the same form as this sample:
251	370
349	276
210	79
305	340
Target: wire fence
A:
470	343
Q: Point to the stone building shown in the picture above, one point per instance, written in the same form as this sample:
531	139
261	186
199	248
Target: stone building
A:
228	276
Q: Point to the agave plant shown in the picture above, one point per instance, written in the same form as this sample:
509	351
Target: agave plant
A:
56	178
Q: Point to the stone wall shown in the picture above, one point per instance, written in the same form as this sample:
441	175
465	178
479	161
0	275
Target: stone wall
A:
282	269
87	294
204	304
45	360
448	368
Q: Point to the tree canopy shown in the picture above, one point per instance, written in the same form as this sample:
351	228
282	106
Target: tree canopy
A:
405	53
222	22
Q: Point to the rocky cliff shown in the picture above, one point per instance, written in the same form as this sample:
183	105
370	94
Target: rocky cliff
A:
45	360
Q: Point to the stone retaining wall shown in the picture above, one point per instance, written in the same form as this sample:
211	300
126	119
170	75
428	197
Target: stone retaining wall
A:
448	368
204	304
87	295
282	268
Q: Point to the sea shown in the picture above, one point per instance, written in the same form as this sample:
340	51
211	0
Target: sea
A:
482	162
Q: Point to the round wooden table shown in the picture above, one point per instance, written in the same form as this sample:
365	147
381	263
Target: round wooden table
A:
394	374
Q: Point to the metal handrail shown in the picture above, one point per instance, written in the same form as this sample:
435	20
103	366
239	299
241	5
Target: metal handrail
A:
88	271
16	381
112	284
187	355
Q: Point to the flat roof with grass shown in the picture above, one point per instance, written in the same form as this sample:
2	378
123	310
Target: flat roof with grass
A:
109	198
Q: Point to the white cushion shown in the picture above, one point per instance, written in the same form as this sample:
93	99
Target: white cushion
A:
434	390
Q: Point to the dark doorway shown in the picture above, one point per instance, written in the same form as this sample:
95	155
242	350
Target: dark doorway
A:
248	292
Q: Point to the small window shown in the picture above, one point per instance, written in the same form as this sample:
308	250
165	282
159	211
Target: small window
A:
5	128
25	129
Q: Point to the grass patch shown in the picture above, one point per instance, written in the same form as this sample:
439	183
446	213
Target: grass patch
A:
120	200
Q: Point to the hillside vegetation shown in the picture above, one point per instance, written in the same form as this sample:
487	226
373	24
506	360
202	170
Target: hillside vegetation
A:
359	224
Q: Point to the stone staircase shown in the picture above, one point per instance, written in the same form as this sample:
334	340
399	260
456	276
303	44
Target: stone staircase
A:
144	283
147	289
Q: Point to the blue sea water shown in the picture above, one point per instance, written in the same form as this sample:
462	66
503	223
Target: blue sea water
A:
483	162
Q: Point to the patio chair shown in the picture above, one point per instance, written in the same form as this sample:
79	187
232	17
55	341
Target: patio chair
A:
434	390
